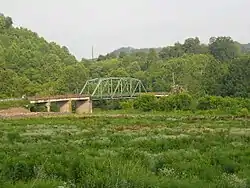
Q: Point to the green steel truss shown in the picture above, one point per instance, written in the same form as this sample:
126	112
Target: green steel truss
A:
113	88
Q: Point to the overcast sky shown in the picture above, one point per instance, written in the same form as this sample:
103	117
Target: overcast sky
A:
110	24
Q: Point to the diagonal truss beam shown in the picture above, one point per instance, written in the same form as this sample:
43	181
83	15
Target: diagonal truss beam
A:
113	87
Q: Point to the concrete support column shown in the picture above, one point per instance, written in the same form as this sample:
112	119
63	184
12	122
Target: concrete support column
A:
48	104
83	106
65	106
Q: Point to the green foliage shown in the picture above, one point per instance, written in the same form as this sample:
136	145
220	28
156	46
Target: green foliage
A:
224	48
146	103
236	81
185	102
13	136
38	108
223	103
127	104
14	104
134	151
181	101
243	112
30	65
107	104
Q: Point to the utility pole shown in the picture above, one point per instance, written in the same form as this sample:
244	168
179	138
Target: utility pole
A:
92	53
173	79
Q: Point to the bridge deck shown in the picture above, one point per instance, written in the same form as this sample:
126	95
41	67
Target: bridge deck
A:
58	98
39	99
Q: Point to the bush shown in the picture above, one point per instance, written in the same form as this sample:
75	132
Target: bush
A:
216	102
38	108
107	104
244	103
184	102
166	103
14	104
181	101
226	103
243	112
146	103
127	104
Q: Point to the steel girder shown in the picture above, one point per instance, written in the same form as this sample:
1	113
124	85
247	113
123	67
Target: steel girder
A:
113	88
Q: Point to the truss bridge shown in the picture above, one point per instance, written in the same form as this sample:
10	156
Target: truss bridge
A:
96	89
113	88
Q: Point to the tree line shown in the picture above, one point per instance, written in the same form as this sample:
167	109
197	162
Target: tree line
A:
29	65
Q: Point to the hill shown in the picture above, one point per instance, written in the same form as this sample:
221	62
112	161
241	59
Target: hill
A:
246	47
31	65
134	50
129	50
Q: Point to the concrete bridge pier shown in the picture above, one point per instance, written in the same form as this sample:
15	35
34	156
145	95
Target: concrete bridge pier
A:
48	105
65	106
84	106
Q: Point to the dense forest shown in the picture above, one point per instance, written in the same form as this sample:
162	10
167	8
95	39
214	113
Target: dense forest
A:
29	65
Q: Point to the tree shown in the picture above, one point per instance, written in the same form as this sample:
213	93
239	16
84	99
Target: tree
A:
30	65
212	77
5	22
237	80
192	45
152	57
224	48
172	51
188	72
101	58
122	55
8	22
120	72
74	78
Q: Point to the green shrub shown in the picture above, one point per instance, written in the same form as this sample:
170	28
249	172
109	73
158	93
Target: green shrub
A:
244	103
217	102
127	104
181	101
243	112
107	104
220	103
14	104
38	108
209	102
146	103
166	103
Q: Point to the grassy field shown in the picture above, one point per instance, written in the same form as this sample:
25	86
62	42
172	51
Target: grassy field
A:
135	151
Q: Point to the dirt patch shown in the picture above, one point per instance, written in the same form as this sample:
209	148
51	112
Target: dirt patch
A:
240	131
132	128
14	111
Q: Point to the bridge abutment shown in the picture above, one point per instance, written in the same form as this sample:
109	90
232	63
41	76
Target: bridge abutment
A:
84	106
65	106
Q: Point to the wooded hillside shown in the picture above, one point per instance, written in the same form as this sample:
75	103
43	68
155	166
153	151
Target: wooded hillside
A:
30	65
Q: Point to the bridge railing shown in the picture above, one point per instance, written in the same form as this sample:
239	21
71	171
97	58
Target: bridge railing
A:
96	97
35	98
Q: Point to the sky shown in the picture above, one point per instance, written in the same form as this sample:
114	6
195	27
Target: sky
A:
110	24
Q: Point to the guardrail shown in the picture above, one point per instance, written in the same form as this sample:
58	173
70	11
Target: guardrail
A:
56	97
35	98
12	99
